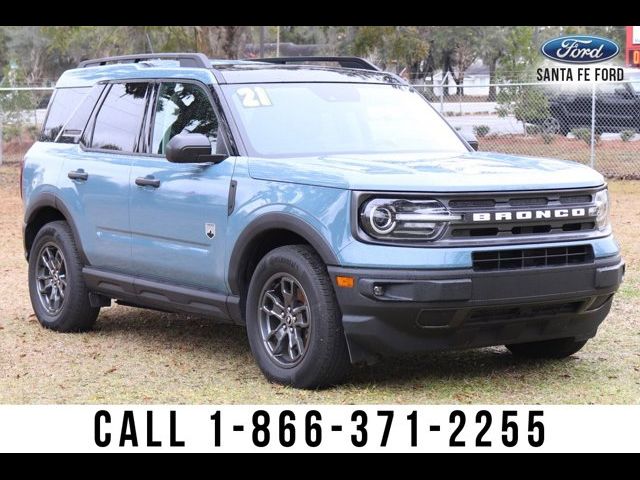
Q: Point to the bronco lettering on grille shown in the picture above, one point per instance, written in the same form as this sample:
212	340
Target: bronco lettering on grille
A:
531	214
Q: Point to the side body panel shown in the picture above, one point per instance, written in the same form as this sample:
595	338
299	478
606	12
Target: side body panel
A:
97	207
100	205
169	224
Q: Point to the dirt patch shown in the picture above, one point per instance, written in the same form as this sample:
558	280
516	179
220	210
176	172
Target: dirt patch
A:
138	356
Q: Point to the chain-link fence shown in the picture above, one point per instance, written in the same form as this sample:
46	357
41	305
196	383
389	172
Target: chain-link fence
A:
597	124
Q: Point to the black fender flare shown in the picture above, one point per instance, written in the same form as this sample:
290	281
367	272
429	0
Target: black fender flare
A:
274	221
48	199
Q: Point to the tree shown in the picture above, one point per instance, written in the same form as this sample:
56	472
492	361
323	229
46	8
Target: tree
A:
454	49
493	46
15	105
4	50
28	49
221	42
403	47
520	54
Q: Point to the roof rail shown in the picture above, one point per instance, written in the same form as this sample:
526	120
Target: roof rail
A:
345	62
197	60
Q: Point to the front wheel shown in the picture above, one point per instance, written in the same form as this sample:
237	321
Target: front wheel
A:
555	126
294	323
557	348
59	296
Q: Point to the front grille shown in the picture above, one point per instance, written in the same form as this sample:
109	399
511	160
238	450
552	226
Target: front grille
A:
455	318
532	258
528	202
529	311
569	199
481	203
468	229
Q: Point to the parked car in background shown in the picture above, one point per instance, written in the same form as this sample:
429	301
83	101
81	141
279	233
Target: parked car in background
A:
617	106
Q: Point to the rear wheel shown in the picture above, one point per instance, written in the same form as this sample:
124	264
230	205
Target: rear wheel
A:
558	348
294	323
59	296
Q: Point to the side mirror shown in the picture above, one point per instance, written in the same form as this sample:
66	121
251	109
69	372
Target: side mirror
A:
471	139
191	148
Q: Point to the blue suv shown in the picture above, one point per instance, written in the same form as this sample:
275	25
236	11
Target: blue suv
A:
331	210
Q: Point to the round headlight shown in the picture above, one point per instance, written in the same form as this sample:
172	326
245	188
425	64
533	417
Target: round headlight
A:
382	219
403	219
602	209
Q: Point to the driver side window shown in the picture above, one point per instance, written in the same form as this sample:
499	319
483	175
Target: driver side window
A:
182	108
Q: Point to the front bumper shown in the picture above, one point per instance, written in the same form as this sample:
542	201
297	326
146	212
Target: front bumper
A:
422	310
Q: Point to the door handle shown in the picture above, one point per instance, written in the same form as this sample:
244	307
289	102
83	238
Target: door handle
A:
79	175
148	181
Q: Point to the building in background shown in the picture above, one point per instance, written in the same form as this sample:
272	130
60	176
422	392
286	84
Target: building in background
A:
633	47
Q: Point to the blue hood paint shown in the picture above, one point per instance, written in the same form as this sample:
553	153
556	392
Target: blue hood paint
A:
414	172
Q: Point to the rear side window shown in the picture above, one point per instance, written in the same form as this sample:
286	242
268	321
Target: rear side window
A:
117	125
64	102
72	130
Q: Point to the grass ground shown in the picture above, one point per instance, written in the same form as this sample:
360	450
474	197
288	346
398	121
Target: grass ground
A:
137	356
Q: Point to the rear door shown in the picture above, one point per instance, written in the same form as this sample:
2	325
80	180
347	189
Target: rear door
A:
96	178
178	224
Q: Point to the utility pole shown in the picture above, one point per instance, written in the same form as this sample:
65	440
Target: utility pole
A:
277	41
261	42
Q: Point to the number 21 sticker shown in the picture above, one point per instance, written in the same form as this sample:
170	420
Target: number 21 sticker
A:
254	97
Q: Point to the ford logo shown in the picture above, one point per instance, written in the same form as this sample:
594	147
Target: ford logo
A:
579	49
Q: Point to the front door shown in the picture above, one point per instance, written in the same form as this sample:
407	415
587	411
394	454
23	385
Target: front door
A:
179	211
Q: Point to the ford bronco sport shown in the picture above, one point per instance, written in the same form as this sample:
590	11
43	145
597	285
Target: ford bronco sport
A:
331	210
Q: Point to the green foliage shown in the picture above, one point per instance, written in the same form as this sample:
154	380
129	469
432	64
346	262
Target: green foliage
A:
531	105
548	138
533	129
627	135
528	104
584	134
520	53
511	53
4	49
15	106
481	130
399	46
11	131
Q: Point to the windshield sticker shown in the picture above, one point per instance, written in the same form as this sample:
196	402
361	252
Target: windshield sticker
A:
254	97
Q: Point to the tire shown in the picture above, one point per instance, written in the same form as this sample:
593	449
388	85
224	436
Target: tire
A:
555	125
295	275
552	349
73	313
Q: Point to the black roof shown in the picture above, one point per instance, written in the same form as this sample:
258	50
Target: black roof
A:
264	70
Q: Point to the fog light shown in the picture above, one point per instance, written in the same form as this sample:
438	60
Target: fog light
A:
378	291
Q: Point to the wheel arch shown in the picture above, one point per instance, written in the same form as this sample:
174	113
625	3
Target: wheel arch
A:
266	232
46	208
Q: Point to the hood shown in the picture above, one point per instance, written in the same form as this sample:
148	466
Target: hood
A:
471	171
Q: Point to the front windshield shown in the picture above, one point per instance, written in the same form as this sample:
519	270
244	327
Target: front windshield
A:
298	119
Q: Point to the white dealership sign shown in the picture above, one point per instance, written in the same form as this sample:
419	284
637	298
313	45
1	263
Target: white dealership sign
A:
329	428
